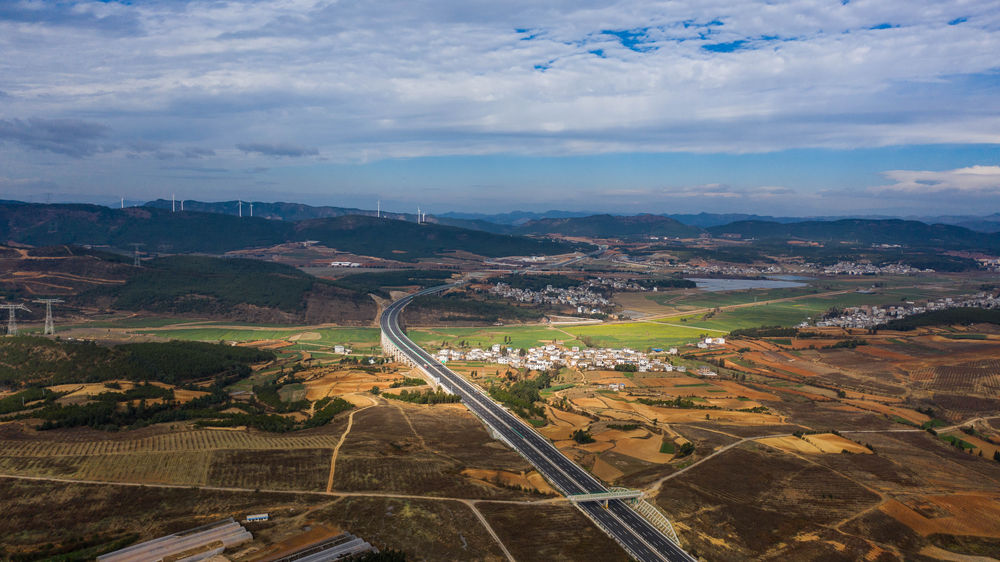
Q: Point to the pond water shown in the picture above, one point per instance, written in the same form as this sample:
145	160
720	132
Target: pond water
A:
743	284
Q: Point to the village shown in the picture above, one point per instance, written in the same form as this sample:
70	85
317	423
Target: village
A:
866	317
582	298
740	270
555	356
852	268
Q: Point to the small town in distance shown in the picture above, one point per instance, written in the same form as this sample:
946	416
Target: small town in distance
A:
317	280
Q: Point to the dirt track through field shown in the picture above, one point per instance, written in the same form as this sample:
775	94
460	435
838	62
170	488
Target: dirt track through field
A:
335	494
336	450
489	529
654	487
747	305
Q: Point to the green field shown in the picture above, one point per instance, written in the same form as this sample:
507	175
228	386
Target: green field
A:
143	322
521	336
712	299
639	335
791	313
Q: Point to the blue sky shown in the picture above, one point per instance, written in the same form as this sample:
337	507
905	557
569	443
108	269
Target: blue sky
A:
799	107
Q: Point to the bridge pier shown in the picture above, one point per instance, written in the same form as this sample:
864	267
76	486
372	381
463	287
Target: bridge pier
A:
398	356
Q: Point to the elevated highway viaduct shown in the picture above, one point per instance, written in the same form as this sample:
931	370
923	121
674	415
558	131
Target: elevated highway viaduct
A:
617	517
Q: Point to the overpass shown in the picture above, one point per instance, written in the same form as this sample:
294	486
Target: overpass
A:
641	529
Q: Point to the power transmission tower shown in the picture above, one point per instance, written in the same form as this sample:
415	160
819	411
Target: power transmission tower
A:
136	261
49	326
12	321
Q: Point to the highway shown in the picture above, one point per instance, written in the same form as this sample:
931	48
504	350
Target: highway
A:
637	535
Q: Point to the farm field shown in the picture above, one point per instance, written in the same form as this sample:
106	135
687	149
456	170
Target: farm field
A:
695	299
540	533
520	336
790	313
842	490
637	335
306	338
440	530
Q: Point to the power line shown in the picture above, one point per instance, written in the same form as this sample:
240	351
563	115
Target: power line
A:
12	320
49	326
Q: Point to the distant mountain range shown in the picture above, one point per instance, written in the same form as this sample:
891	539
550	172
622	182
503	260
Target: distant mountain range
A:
215	229
866	231
509	223
988	223
610	226
951	232
299	212
160	230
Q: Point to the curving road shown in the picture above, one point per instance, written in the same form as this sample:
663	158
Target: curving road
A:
640	538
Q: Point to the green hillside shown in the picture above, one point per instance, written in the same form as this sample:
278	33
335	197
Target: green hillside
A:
861	231
26	360
157	229
183	284
409	241
160	230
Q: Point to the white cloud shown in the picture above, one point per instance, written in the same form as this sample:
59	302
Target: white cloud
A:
980	180
404	79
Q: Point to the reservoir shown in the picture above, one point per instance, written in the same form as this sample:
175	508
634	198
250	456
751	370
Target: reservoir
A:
743	284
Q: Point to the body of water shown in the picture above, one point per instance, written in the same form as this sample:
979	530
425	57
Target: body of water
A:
743	284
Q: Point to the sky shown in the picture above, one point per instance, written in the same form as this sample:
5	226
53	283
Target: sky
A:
800	107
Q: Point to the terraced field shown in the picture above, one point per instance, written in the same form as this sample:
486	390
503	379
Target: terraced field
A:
182	441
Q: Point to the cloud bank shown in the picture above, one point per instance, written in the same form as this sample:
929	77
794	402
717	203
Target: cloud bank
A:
977	180
356	82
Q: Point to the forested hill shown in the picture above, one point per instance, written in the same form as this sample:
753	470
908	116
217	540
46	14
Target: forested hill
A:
408	240
236	289
160	230
300	211
889	231
610	226
276	211
157	229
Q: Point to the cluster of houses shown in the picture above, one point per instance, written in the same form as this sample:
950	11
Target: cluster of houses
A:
711	342
852	268
585	300
621	284
553	356
739	270
840	268
989	264
872	316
